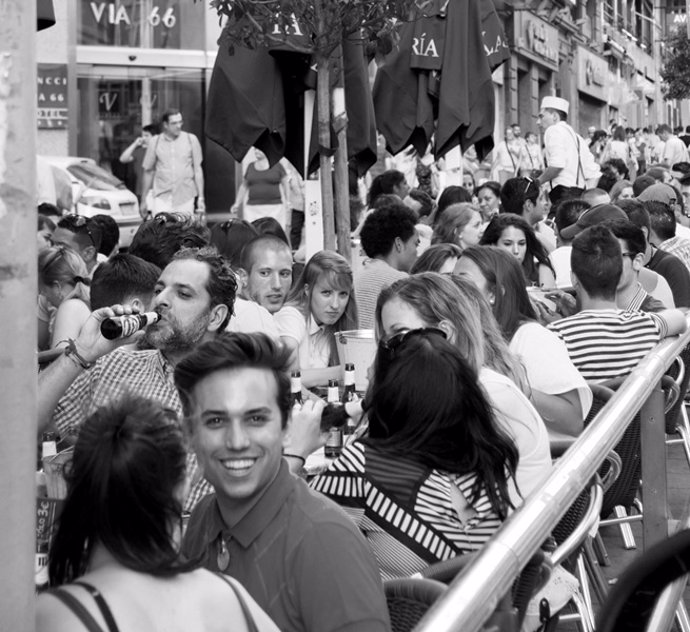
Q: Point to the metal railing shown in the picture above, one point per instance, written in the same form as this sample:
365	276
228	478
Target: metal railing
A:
473	596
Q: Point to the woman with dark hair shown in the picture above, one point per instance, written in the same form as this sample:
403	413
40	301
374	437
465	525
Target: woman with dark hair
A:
489	199
391	182
321	303
514	235
439	258
449	196
558	391
115	553
431	480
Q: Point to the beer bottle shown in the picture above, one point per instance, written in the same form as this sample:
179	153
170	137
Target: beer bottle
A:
349	393
334	443
296	388
123	326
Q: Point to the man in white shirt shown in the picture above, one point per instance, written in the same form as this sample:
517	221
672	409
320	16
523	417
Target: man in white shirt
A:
569	162
674	148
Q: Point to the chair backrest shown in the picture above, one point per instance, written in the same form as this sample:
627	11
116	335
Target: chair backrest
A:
624	490
408	600
630	604
680	373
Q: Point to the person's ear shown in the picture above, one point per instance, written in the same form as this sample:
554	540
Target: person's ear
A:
574	281
638	262
306	290
242	278
137	304
399	245
527	207
449	329
492	297
218	315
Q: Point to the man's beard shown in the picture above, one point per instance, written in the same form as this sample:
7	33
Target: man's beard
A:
174	338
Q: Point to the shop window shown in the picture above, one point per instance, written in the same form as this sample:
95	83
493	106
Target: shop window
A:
168	24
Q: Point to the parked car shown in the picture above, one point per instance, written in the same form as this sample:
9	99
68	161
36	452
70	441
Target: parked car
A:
96	191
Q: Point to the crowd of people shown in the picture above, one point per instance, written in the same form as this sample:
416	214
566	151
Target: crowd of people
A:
494	305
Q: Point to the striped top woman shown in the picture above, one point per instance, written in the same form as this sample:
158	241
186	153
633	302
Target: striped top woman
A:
431	480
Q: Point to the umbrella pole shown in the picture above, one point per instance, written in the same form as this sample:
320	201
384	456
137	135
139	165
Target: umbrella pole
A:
342	189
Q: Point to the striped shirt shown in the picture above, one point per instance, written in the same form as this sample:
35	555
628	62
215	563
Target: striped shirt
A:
609	343
375	276
406	510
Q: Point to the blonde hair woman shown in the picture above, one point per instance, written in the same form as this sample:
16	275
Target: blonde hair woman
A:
321	303
63	282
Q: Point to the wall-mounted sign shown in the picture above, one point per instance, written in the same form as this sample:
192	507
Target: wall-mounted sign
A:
536	39
592	73
141	23
51	96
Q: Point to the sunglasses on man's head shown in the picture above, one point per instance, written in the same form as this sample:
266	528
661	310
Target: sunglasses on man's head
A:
394	342
79	222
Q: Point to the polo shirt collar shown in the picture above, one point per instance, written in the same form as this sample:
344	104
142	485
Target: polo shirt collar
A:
314	327
259	516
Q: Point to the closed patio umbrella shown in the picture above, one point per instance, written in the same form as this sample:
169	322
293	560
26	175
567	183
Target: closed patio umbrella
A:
438	80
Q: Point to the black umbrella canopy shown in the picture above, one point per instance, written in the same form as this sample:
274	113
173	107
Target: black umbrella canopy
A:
438	80
256	98
45	14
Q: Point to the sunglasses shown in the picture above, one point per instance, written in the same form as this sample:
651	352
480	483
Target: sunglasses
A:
394	342
78	224
529	184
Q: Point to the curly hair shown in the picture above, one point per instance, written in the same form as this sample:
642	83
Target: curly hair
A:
383	225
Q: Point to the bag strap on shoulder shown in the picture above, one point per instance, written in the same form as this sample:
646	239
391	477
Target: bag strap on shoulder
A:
77	608
249	619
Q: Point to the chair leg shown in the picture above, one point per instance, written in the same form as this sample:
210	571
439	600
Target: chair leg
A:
683	429
600	551
682	617
626	530
596	576
585	590
585	624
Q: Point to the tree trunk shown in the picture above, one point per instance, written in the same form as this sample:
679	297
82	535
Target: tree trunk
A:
342	189
323	112
18	291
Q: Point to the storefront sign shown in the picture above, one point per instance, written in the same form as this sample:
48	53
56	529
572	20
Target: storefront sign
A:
52	96
592	73
536	39
141	23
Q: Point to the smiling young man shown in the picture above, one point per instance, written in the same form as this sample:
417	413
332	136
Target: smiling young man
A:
297	554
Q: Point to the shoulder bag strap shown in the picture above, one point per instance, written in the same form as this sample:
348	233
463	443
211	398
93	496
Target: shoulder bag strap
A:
102	605
249	619
73	604
580	169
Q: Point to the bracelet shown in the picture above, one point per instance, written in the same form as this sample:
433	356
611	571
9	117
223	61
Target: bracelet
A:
295	456
71	351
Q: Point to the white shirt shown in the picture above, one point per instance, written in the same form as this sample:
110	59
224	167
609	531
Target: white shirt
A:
674	151
313	343
250	317
560	151
560	260
516	416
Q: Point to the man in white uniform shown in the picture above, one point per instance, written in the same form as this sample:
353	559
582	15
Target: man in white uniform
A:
570	166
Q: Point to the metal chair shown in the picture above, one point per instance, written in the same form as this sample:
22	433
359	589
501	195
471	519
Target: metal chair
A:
408	600
512	607
677	422
631	602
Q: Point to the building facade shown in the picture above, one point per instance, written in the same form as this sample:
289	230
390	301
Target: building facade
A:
603	56
108	67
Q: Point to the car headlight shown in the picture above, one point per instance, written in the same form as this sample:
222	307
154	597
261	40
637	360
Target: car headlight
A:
96	202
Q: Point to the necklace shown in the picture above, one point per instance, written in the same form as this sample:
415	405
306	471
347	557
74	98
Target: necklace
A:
223	558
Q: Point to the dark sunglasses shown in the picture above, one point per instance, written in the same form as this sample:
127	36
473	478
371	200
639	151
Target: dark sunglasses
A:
393	343
78	223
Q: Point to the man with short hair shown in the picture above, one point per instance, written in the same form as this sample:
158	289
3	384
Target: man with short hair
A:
663	231
81	234
630	295
266	272
389	238
674	148
296	552
124	280
194	298
110	235
172	170
668	194
570	164
596	196
524	197
566	214
672	270
604	341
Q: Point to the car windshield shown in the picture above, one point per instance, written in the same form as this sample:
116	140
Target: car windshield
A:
95	178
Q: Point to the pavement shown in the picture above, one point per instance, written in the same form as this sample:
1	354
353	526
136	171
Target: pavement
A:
678	477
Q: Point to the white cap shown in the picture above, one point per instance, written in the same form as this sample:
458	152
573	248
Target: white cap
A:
555	103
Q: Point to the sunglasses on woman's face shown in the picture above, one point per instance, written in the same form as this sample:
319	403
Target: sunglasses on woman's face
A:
393	343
